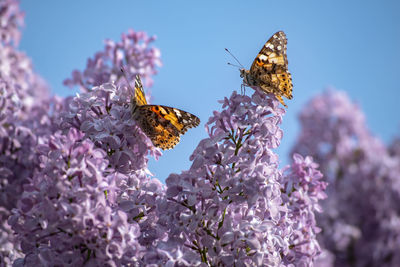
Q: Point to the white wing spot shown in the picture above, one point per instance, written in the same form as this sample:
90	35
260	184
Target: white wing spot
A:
263	57
178	113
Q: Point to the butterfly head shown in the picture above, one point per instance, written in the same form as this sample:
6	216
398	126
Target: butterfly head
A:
242	73
247	78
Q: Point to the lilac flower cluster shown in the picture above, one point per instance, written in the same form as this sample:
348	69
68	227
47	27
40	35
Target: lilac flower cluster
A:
134	52
103	115
94	162
11	20
23	96
65	215
361	219
303	189
234	207
34	126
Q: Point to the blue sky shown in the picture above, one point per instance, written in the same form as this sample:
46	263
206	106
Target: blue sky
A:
350	45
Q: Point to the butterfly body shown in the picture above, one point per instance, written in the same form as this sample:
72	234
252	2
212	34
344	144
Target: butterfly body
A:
162	124
248	79
269	70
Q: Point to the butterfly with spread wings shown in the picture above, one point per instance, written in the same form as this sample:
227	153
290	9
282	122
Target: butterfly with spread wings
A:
163	125
269	70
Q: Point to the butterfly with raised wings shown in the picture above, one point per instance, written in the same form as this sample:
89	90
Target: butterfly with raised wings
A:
162	124
269	70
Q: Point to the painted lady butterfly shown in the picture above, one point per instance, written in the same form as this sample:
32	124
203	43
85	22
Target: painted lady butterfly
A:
269	70
163	125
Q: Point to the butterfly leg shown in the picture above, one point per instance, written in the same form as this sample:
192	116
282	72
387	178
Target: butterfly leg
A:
242	89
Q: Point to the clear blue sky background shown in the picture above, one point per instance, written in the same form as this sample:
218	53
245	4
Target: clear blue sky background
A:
351	45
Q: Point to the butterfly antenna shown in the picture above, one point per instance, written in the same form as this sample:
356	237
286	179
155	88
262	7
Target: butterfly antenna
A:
126	78
226	49
230	64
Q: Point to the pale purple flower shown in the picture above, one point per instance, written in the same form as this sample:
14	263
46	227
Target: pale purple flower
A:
361	222
33	164
9	249
304	188
11	19
104	170
24	103
20	87
134	52
24	117
65	215
104	115
231	208
103	112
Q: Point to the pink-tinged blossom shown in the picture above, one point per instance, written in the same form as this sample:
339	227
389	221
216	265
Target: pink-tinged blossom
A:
20	87
95	130
11	19
394	147
9	248
117	179
134	52
103	114
99	126
304	188
65	215
24	117
234	206
361	222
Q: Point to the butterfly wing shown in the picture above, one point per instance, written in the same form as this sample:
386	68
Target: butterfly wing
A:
164	125
270	67
140	97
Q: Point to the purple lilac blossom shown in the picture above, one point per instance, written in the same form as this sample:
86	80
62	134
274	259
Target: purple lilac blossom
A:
102	110
23	96
9	247
234	206
24	102
134	52
65	215
103	114
99	124
29	118
101	117
11	19
361	222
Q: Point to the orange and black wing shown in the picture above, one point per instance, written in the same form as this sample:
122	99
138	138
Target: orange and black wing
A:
164	125
140	97
270	68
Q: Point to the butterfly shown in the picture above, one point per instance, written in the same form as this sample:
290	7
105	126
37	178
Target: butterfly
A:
269	70
163	125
